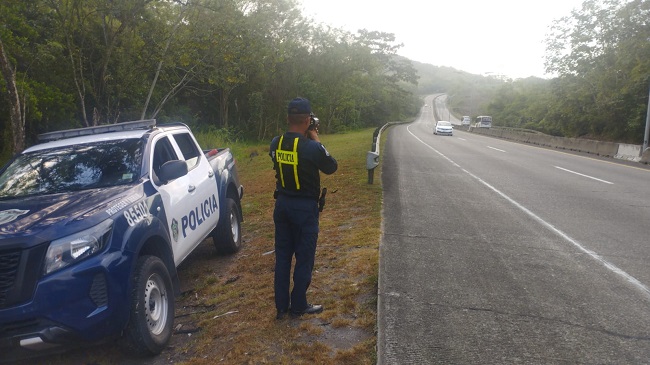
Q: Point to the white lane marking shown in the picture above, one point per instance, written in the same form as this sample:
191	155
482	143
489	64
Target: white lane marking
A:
577	173
462	139
631	279
496	149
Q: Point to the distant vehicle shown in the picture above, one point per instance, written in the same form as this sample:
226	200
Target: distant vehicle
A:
483	121
466	120
444	127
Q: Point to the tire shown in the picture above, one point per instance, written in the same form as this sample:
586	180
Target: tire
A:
227	235
152	308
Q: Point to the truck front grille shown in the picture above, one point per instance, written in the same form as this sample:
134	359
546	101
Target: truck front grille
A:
9	264
20	270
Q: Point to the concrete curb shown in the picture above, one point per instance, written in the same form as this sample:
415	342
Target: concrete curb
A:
622	151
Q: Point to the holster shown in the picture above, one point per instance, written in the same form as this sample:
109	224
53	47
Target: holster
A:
321	200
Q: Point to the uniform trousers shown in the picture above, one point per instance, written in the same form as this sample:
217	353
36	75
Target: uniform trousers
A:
296	234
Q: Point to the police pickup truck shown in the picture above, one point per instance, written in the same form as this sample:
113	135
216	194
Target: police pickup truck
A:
94	222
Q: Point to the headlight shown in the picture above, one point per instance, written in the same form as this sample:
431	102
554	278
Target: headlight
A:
76	247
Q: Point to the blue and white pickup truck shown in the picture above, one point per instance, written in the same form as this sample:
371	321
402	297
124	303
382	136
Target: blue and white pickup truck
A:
94	222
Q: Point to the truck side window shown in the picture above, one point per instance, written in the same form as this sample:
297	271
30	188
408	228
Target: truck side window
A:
162	153
188	148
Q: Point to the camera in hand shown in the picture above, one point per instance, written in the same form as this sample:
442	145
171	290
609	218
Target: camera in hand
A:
313	122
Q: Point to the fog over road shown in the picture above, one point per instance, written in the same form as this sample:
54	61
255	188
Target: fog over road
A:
498	252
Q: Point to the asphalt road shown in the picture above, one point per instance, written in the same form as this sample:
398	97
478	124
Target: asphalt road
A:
495	252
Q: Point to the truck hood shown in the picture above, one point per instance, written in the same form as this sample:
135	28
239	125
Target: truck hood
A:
53	216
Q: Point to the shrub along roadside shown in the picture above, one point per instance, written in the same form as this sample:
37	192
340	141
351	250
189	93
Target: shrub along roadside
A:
344	280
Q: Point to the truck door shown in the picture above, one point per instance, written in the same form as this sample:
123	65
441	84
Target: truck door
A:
191	201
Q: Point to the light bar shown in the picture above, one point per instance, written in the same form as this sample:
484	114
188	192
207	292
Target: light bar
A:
118	127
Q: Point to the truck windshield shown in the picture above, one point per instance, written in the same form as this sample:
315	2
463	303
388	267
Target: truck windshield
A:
71	168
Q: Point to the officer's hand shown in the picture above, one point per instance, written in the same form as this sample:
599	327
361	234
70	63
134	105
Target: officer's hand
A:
313	134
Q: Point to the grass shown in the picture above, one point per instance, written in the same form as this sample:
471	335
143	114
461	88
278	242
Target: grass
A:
239	326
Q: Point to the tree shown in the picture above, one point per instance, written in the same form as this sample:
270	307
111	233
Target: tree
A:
16	113
600	56
103	50
219	63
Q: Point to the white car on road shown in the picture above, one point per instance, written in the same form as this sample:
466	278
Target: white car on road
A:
443	127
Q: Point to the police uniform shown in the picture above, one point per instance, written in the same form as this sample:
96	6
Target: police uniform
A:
297	161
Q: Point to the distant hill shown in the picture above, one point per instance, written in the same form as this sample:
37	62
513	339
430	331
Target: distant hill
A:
468	92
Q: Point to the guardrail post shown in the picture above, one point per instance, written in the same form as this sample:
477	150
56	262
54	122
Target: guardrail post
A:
372	161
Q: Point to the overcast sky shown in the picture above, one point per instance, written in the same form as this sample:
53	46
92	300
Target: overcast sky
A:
478	36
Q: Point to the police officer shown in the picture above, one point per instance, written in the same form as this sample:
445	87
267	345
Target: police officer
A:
298	157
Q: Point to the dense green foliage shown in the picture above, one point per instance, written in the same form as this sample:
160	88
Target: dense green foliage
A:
231	66
226	64
600	55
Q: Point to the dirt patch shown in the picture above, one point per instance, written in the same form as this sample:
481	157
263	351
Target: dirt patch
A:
344	338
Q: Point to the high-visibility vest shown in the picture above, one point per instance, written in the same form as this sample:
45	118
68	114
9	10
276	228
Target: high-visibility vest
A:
284	157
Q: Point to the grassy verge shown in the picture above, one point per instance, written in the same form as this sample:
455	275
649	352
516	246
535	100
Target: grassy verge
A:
344	280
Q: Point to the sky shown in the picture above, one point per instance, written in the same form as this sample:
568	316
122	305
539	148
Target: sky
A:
496	37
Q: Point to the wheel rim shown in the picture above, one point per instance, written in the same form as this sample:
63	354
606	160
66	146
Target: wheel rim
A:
234	227
155	304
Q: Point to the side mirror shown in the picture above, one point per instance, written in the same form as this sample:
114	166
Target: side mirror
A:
171	170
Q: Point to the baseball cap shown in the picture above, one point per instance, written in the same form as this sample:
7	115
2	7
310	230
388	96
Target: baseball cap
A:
299	106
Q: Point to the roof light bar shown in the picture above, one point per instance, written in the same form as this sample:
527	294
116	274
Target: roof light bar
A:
118	127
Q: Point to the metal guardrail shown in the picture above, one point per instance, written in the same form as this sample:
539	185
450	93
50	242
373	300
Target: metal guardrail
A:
372	157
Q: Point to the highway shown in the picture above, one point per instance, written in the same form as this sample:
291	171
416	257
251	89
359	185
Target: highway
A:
495	252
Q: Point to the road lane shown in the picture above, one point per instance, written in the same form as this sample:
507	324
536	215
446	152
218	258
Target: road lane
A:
607	217
467	276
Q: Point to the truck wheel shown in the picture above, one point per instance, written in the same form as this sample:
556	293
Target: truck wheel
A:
227	235
152	308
